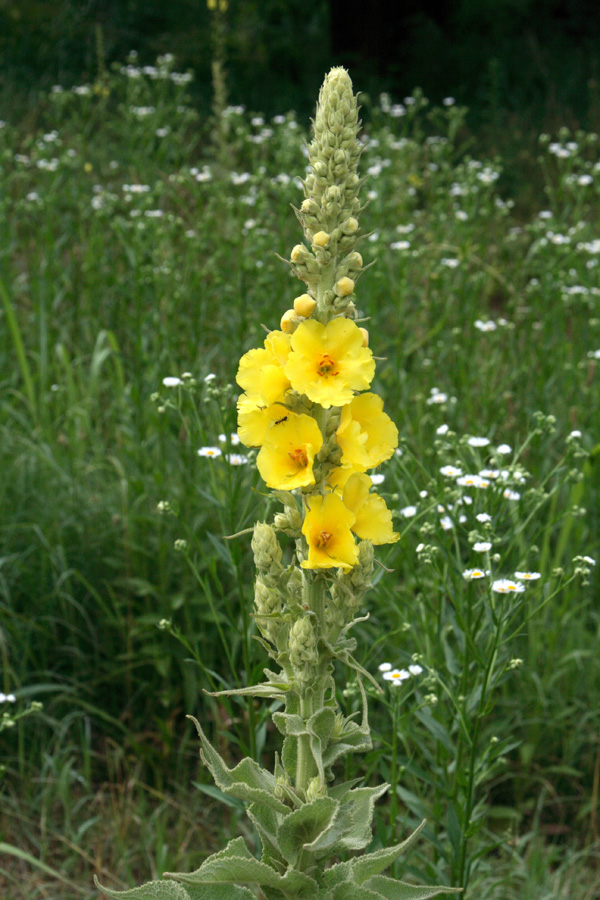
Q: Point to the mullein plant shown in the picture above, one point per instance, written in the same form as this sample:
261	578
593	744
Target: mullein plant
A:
307	406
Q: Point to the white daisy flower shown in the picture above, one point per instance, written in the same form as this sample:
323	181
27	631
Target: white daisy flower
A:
478	441
377	478
171	381
504	449
396	676
210	377
509	494
482	546
400	245
443	429
446	523
527	576
588	559
489	473
506	586
451	471
487	325
408	512
472	481
210	452
473	574
236	459
415	669
385	667
483	517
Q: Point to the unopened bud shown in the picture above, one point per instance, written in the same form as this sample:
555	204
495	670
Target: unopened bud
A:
315	789
344	286
289	320
304	305
350	226
299	253
321	239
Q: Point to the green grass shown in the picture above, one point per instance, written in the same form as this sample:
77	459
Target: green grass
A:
117	633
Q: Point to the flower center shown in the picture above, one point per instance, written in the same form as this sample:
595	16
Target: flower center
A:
299	457
326	366
323	539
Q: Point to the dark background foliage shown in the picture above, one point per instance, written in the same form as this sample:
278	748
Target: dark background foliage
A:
541	57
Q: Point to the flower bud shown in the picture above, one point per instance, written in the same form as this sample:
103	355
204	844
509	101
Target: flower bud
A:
350	226
289	321
304	305
265	546
315	789
344	286
299	253
321	239
302	644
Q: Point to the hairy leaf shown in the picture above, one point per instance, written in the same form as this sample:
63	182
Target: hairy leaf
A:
391	889
154	890
247	871
247	781
305	825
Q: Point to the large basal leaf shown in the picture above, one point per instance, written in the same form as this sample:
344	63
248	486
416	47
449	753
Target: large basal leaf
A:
244	870
305	825
390	889
247	781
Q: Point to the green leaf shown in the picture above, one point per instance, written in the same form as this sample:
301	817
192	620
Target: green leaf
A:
371	864
220	892
266	821
347	891
275	691
247	870
247	781
305	825
391	889
351	829
154	890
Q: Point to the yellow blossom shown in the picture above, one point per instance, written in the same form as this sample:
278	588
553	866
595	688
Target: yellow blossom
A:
366	435
260	371
328	363
373	518
327	531
254	418
285	460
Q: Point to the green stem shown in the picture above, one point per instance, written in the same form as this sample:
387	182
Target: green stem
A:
312	695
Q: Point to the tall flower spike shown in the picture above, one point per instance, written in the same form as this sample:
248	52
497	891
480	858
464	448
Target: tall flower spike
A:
329	213
318	435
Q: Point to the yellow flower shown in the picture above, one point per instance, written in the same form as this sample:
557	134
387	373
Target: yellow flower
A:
328	362
261	373
254	419
366	435
327	531
286	457
373	518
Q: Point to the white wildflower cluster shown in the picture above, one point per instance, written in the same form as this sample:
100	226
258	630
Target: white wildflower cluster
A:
396	677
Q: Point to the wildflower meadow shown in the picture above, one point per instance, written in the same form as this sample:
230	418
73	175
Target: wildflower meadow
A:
319	397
